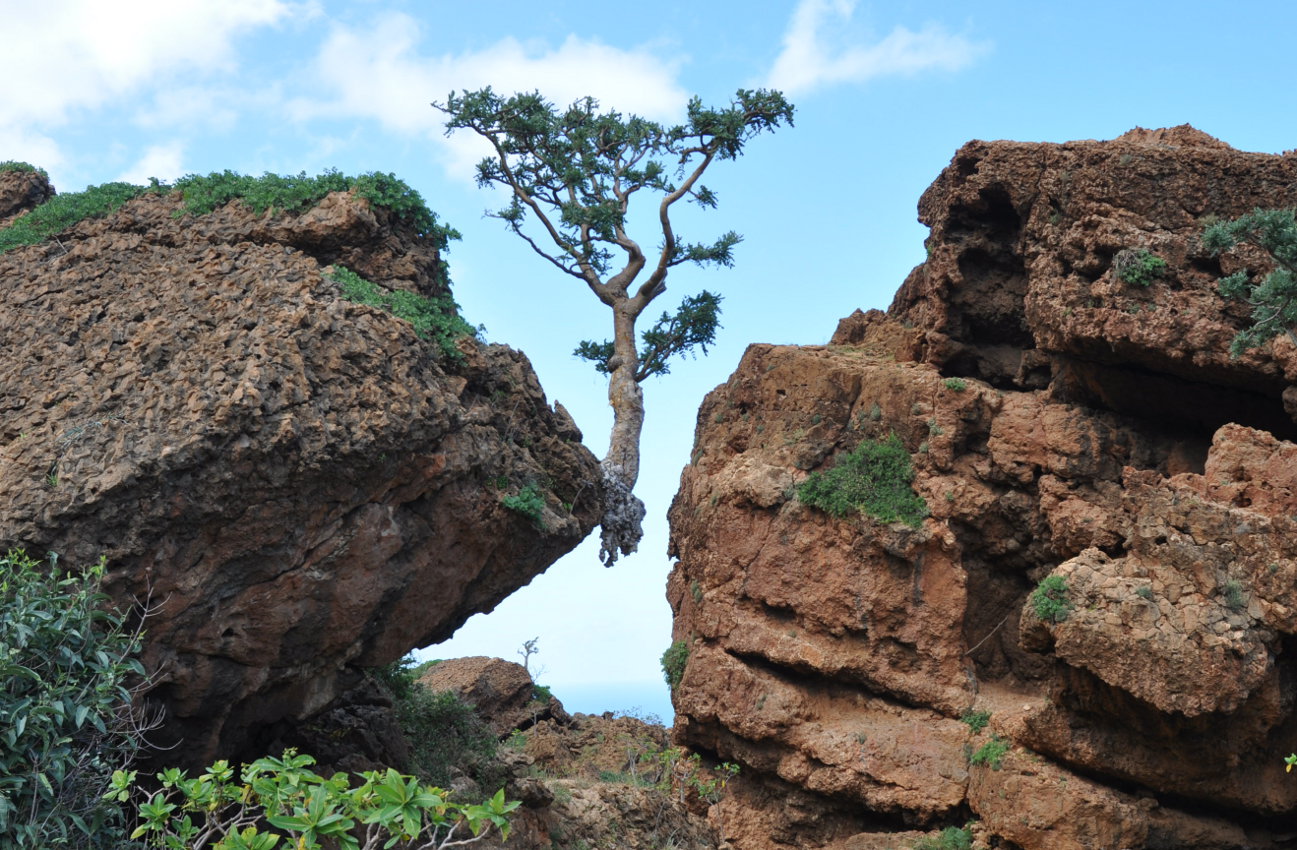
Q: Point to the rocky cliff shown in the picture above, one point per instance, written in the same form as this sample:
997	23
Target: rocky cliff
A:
295	484
1065	425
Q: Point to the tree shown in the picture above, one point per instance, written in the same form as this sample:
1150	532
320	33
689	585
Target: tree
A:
571	176
1274	298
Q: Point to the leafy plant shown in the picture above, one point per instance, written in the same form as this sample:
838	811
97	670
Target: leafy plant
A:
66	668
673	663
289	193
976	720
950	838
529	501
436	319
276	798
63	211
447	734
1235	598
1050	601
955	384
14	165
1139	268
874	478
991	753
1274	298
1144	591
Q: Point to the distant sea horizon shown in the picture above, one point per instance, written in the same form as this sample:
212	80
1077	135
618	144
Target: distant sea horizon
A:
648	700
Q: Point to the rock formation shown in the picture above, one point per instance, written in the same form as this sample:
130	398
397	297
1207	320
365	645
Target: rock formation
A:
1063	423
297	484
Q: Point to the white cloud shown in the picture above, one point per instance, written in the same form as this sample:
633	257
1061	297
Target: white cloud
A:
812	57
380	73
90	52
160	161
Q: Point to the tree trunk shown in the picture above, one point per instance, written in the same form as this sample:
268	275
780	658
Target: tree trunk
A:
623	518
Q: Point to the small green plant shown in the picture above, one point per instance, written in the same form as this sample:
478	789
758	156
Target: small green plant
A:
1289	760
991	753
541	693
976	720
673	663
696	591
1144	592
950	838
529	502
874	478
1235	598
875	412
436	319
1139	268
273	799
955	384
1050	601
935	430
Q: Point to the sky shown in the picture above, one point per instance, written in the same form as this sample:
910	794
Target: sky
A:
885	95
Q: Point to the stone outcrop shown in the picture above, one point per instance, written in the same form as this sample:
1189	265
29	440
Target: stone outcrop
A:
502	692
1061	423
296	484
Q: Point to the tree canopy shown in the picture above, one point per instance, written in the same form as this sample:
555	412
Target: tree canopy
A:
571	175
1273	297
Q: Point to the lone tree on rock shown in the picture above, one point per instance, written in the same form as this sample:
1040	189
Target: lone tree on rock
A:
1274	297
572	175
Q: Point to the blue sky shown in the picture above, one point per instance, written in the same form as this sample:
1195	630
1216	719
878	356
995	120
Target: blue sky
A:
885	94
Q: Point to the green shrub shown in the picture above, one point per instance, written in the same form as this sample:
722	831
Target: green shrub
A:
976	720
673	663
955	384
1235	598
1273	298
203	193
446	734
66	664
1050	601
529	502
277	798
991	753
14	165
63	211
436	319
1139	268
950	838
874	478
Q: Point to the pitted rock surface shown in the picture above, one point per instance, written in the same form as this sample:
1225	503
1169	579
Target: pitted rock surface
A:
296	483
1060	422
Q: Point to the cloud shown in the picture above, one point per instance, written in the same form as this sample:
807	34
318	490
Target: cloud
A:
381	73
90	53
812	58
160	161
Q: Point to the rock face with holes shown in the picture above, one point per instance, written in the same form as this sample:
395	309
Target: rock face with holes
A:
1062	424
297	484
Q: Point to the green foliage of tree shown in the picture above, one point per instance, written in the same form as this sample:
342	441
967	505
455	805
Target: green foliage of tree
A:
1050	600
572	175
435	319
874	478
673	663
67	664
273	799
1274	297
63	211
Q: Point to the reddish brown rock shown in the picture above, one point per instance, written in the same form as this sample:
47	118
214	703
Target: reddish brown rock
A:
1060	422
502	691
21	191
298	484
